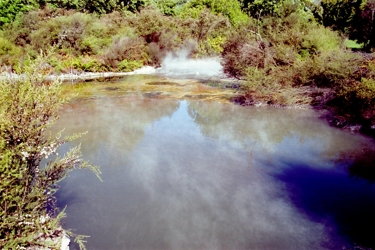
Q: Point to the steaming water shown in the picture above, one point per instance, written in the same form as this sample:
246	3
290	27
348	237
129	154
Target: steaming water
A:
181	66
183	174
189	174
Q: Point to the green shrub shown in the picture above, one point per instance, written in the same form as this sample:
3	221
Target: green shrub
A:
228	8
10	54
366	91
215	44
168	7
319	39
191	11
68	64
28	107
9	9
127	66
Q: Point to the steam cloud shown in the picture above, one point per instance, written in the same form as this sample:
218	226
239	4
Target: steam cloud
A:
179	64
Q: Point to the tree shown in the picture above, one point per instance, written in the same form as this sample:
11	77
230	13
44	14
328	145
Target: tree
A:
362	25
28	107
338	14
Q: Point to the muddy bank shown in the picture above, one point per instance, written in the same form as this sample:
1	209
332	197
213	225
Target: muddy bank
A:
317	99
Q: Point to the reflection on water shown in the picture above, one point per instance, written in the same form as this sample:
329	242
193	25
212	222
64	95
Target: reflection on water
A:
207	175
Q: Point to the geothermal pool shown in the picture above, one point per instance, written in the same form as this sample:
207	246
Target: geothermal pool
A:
184	169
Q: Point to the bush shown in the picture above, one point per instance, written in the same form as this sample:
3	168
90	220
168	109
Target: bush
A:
289	60
66	32
9	9
356	97
242	50
127	66
126	48
28	107
9	53
210	31
228	8
69	31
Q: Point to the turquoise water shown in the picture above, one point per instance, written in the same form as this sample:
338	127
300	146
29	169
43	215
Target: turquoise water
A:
191	174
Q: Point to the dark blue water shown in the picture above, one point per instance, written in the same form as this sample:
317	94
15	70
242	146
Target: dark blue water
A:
206	175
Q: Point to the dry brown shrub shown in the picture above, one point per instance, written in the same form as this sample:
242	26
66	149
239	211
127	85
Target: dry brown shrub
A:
132	49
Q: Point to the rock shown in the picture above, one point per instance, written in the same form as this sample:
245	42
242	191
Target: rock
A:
65	242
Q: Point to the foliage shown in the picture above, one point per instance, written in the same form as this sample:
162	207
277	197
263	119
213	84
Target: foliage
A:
209	31
338	14
228	8
9	53
362	25
355	19
169	7
68	32
66	64
28	107
126	48
257	8
96	6
356	99
276	8
295	61
127	66
9	9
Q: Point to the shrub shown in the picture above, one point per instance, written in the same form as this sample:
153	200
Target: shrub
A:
69	31
210	31
288	60
126	48
168	7
161	33
9	53
228	8
64	32
243	50
151	20
127	66
28	107
9	9
215	44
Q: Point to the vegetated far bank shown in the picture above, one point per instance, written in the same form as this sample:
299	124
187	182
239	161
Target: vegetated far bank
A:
289	58
287	52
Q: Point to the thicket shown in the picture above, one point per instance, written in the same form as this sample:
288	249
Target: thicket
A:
110	42
30	168
289	58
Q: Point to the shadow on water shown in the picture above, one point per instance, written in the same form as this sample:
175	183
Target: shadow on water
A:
361	163
330	197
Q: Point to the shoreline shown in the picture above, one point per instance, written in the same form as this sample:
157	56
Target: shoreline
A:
334	120
85	75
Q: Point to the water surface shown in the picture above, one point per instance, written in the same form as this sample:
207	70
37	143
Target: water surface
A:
185	173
